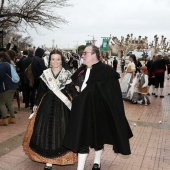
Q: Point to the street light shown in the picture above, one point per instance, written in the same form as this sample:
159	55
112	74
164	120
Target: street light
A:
93	40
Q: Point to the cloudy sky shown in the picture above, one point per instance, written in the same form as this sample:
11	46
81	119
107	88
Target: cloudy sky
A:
100	18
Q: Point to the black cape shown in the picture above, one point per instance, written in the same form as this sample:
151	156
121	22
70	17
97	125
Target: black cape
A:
97	115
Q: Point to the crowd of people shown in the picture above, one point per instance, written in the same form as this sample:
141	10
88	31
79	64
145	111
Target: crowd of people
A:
7	85
72	101
143	80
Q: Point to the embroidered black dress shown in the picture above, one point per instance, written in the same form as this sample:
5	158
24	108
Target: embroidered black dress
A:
50	122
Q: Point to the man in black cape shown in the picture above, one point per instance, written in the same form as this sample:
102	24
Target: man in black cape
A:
97	116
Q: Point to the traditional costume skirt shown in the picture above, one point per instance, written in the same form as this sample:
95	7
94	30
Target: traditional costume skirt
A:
46	131
125	86
66	159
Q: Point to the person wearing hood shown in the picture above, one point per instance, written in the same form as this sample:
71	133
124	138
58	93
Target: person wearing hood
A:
38	65
159	68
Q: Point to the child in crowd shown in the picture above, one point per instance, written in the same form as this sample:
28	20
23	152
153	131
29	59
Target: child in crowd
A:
143	85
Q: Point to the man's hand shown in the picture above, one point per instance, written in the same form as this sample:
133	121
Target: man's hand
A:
77	88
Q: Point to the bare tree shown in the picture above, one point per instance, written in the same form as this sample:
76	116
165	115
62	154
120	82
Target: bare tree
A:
17	39
14	13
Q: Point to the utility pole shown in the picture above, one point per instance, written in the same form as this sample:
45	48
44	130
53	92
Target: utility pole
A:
53	44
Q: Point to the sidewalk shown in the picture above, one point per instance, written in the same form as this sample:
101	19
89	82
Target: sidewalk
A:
150	145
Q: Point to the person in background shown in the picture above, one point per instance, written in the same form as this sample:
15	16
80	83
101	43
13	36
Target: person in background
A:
151	77
122	64
168	68
159	68
138	65
102	59
145	61
115	63
7	89
106	59
21	70
143	85
128	78
29	95
46	58
38	66
12	44
12	55
97	115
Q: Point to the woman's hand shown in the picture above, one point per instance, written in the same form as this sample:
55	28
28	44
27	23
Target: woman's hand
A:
35	109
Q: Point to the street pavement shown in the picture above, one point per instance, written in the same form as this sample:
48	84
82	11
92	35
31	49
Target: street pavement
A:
150	145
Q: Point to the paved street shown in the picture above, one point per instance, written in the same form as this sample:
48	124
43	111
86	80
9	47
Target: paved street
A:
150	145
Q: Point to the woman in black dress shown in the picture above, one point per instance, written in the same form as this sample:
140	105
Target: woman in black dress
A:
46	130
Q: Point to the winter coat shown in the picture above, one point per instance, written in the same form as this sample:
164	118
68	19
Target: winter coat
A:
6	82
97	115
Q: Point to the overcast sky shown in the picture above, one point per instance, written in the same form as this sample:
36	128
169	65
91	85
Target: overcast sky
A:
100	18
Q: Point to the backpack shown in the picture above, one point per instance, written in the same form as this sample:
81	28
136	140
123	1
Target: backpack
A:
29	75
14	75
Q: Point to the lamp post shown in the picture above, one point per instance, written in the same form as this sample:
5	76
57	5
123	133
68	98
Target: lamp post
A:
53	44
93	40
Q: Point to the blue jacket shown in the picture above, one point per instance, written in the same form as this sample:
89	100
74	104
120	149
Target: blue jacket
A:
5	81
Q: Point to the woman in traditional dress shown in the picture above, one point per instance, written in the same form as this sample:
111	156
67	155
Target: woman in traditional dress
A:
127	86
46	129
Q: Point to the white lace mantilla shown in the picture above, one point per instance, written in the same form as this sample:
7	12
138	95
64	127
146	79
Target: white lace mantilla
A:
56	85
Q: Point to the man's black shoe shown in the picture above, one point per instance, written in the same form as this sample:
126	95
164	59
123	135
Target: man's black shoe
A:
96	167
161	96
